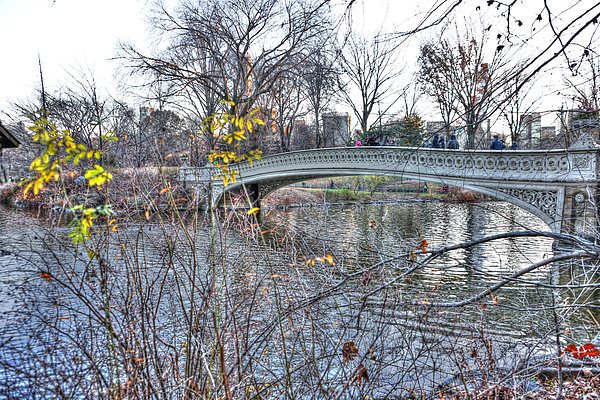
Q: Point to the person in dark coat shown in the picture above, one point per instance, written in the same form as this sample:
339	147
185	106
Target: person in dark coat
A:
514	146
372	140
442	142
453	143
497	144
435	142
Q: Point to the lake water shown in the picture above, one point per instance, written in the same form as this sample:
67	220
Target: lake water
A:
371	292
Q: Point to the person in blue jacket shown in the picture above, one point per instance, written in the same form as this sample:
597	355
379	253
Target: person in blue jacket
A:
497	144
453	143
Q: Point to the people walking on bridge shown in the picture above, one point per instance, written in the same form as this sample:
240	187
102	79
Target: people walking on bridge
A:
497	144
453	143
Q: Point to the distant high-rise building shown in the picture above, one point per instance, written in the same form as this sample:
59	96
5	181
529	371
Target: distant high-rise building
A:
336	129
530	134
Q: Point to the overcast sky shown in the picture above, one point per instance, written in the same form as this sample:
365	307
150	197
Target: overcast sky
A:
72	33
66	34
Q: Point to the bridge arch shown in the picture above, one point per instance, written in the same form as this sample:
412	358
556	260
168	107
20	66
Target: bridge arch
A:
269	184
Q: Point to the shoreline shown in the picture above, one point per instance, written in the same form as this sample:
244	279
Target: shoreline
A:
12	194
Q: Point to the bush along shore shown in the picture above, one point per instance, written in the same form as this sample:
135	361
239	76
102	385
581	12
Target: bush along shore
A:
130	190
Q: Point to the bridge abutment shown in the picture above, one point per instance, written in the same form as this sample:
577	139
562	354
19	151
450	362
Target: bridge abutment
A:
580	212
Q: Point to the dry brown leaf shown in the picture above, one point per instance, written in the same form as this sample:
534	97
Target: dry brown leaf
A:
361	375
349	352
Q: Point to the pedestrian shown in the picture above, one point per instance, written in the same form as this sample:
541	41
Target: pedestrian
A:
434	142
372	140
441	142
453	143
514	146
331	185
358	143
497	144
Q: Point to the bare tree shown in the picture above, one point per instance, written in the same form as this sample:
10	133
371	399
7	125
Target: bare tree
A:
166	134
463	67
587	89
286	99
80	106
518	106
369	68
228	50
319	82
435	84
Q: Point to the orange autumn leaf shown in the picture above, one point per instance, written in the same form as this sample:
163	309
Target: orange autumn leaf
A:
422	245
46	276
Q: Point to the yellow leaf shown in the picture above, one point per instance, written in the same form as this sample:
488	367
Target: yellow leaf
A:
27	188
52	149
253	210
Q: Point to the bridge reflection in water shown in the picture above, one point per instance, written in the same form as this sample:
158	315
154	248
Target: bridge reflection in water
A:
559	186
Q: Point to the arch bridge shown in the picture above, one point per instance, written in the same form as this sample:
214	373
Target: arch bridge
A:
559	186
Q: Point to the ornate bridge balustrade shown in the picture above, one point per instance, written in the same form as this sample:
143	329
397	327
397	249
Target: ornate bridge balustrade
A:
559	186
